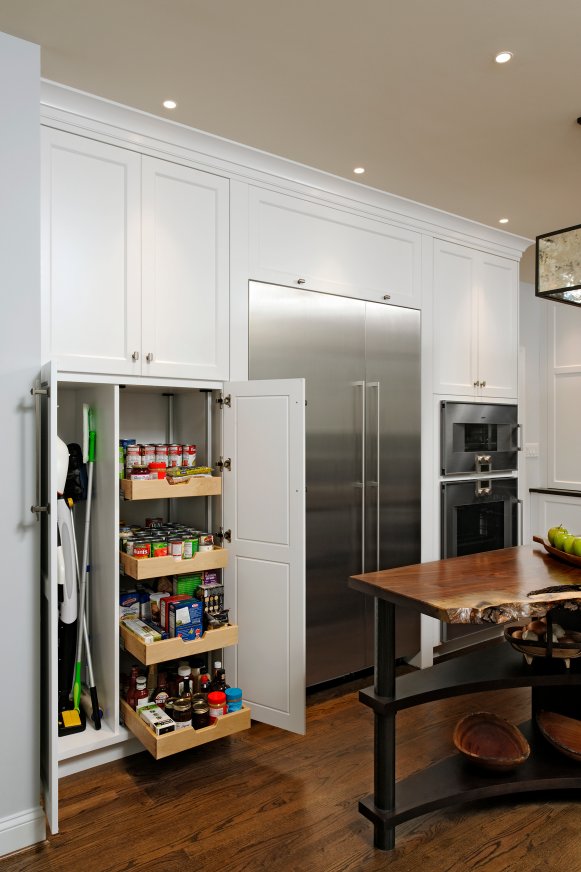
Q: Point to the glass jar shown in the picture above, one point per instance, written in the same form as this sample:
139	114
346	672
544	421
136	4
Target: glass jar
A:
200	715
182	712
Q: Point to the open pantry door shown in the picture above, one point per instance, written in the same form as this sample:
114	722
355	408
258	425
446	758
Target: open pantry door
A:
264	509
45	398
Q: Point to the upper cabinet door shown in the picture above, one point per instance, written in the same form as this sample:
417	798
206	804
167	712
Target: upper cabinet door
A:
497	282
455	320
91	283
321	248
185	272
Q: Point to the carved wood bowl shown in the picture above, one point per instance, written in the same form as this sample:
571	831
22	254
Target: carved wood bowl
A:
490	742
562	732
530	648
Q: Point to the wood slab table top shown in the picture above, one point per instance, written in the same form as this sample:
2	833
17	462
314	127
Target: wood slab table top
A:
490	587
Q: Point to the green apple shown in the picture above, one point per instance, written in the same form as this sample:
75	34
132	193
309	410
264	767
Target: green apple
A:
553	532
568	543
577	546
559	538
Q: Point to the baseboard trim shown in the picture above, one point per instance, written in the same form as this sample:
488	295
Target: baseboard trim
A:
18	831
122	748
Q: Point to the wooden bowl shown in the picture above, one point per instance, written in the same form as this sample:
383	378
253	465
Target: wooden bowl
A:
530	648
562	732
490	741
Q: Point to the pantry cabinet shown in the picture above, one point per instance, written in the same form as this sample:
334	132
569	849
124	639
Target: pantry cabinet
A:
257	500
475	323
135	277
317	247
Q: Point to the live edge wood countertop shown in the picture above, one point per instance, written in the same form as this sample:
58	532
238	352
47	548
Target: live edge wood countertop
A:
491	587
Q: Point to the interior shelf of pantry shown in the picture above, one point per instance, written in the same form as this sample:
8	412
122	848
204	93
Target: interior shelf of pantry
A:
175	649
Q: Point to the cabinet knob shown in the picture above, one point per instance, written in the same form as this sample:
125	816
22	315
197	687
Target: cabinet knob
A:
477	384
301	281
483	384
387	296
135	355
149	357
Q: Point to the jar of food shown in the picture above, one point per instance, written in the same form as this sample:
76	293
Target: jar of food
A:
138	473
234	699
182	712
156	470
218	706
184	680
200	715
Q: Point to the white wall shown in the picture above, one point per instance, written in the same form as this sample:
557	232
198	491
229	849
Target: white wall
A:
533	314
21	818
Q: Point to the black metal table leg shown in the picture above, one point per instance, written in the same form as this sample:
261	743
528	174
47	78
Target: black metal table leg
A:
384	744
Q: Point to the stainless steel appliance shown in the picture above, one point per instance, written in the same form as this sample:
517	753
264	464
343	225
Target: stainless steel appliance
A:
361	362
478	437
479	515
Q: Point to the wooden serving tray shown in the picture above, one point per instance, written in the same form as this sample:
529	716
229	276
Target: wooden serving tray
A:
156	489
174	649
152	567
172	743
556	552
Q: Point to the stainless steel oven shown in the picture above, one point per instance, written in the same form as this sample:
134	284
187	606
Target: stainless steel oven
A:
479	515
478	438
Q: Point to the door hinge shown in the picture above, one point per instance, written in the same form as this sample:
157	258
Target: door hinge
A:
224	463
40	392
222	535
224	401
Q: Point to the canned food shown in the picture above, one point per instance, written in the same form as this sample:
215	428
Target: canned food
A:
174	456
153	523
190	546
132	457
147	454
189	453
159	549
176	548
141	549
206	542
161	454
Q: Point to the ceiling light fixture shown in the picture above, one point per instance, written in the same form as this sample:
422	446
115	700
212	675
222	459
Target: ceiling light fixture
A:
170	104
503	57
503	220
558	266
359	170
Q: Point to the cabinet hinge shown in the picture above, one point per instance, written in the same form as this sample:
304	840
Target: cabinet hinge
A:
223	535
224	401
224	463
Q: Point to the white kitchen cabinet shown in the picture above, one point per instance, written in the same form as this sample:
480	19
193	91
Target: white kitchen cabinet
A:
259	500
135	262
475	332
318	247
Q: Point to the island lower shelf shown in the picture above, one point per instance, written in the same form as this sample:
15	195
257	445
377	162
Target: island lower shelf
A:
175	649
186	738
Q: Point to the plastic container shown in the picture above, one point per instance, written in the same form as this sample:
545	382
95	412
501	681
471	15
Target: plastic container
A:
234	699
217	704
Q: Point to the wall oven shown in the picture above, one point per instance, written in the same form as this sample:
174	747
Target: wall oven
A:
478	438
479	515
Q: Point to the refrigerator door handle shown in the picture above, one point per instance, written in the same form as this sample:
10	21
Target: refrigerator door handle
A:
361	484
374	482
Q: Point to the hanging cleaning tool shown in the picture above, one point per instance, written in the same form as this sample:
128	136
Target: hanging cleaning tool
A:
89	439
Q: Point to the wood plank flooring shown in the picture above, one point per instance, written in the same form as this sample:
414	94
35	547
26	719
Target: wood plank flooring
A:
267	800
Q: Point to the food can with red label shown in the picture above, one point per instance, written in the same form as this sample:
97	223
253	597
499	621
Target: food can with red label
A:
176	547
161	454
132	456
141	549
159	548
189	453
147	455
174	455
206	542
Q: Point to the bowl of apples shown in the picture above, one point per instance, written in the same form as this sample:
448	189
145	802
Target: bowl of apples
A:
562	545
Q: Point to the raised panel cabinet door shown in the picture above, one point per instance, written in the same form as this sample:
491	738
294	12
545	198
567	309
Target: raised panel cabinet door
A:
318	247
455	325
497	283
91	282
185	272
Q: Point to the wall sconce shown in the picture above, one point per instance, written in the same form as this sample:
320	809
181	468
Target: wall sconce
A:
558	266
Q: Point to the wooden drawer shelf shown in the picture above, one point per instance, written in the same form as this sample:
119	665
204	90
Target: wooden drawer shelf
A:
174	649
152	567
156	489
181	740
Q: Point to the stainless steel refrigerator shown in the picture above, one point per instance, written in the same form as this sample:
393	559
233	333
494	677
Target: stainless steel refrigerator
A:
361	362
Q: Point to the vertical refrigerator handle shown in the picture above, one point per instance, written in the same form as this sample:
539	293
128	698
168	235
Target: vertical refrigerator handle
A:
374	477
361	484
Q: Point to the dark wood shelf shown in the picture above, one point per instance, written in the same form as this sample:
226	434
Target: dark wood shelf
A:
497	668
454	780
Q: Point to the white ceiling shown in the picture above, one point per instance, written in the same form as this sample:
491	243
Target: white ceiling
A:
406	88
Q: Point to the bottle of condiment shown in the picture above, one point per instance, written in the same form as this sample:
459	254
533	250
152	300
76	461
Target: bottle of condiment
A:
161	692
131	690
141	694
184	680
205	685
218	678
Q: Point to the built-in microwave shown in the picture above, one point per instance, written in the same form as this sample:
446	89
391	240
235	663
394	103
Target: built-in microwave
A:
478	438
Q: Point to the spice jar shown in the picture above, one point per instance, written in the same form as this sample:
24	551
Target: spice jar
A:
182	712
217	704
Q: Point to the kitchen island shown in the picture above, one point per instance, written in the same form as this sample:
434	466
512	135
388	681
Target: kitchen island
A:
490	587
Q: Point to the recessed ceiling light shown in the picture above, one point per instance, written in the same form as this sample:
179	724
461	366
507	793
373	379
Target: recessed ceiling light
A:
503	220
170	104
503	57
359	170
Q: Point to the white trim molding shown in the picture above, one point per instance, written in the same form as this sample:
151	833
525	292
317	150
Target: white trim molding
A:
22	830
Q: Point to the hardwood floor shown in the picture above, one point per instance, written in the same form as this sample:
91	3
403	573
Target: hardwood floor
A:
266	800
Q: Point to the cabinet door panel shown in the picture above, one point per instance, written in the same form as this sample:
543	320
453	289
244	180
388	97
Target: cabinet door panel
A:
332	250
91	257
497	326
264	507
185	272
455	314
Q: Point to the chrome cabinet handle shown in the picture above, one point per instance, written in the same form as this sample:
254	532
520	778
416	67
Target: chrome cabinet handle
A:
518	437
149	357
38	393
376	483
301	281
361	484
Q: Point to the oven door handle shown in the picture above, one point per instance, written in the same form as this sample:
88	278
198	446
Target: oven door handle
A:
520	505
519	437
